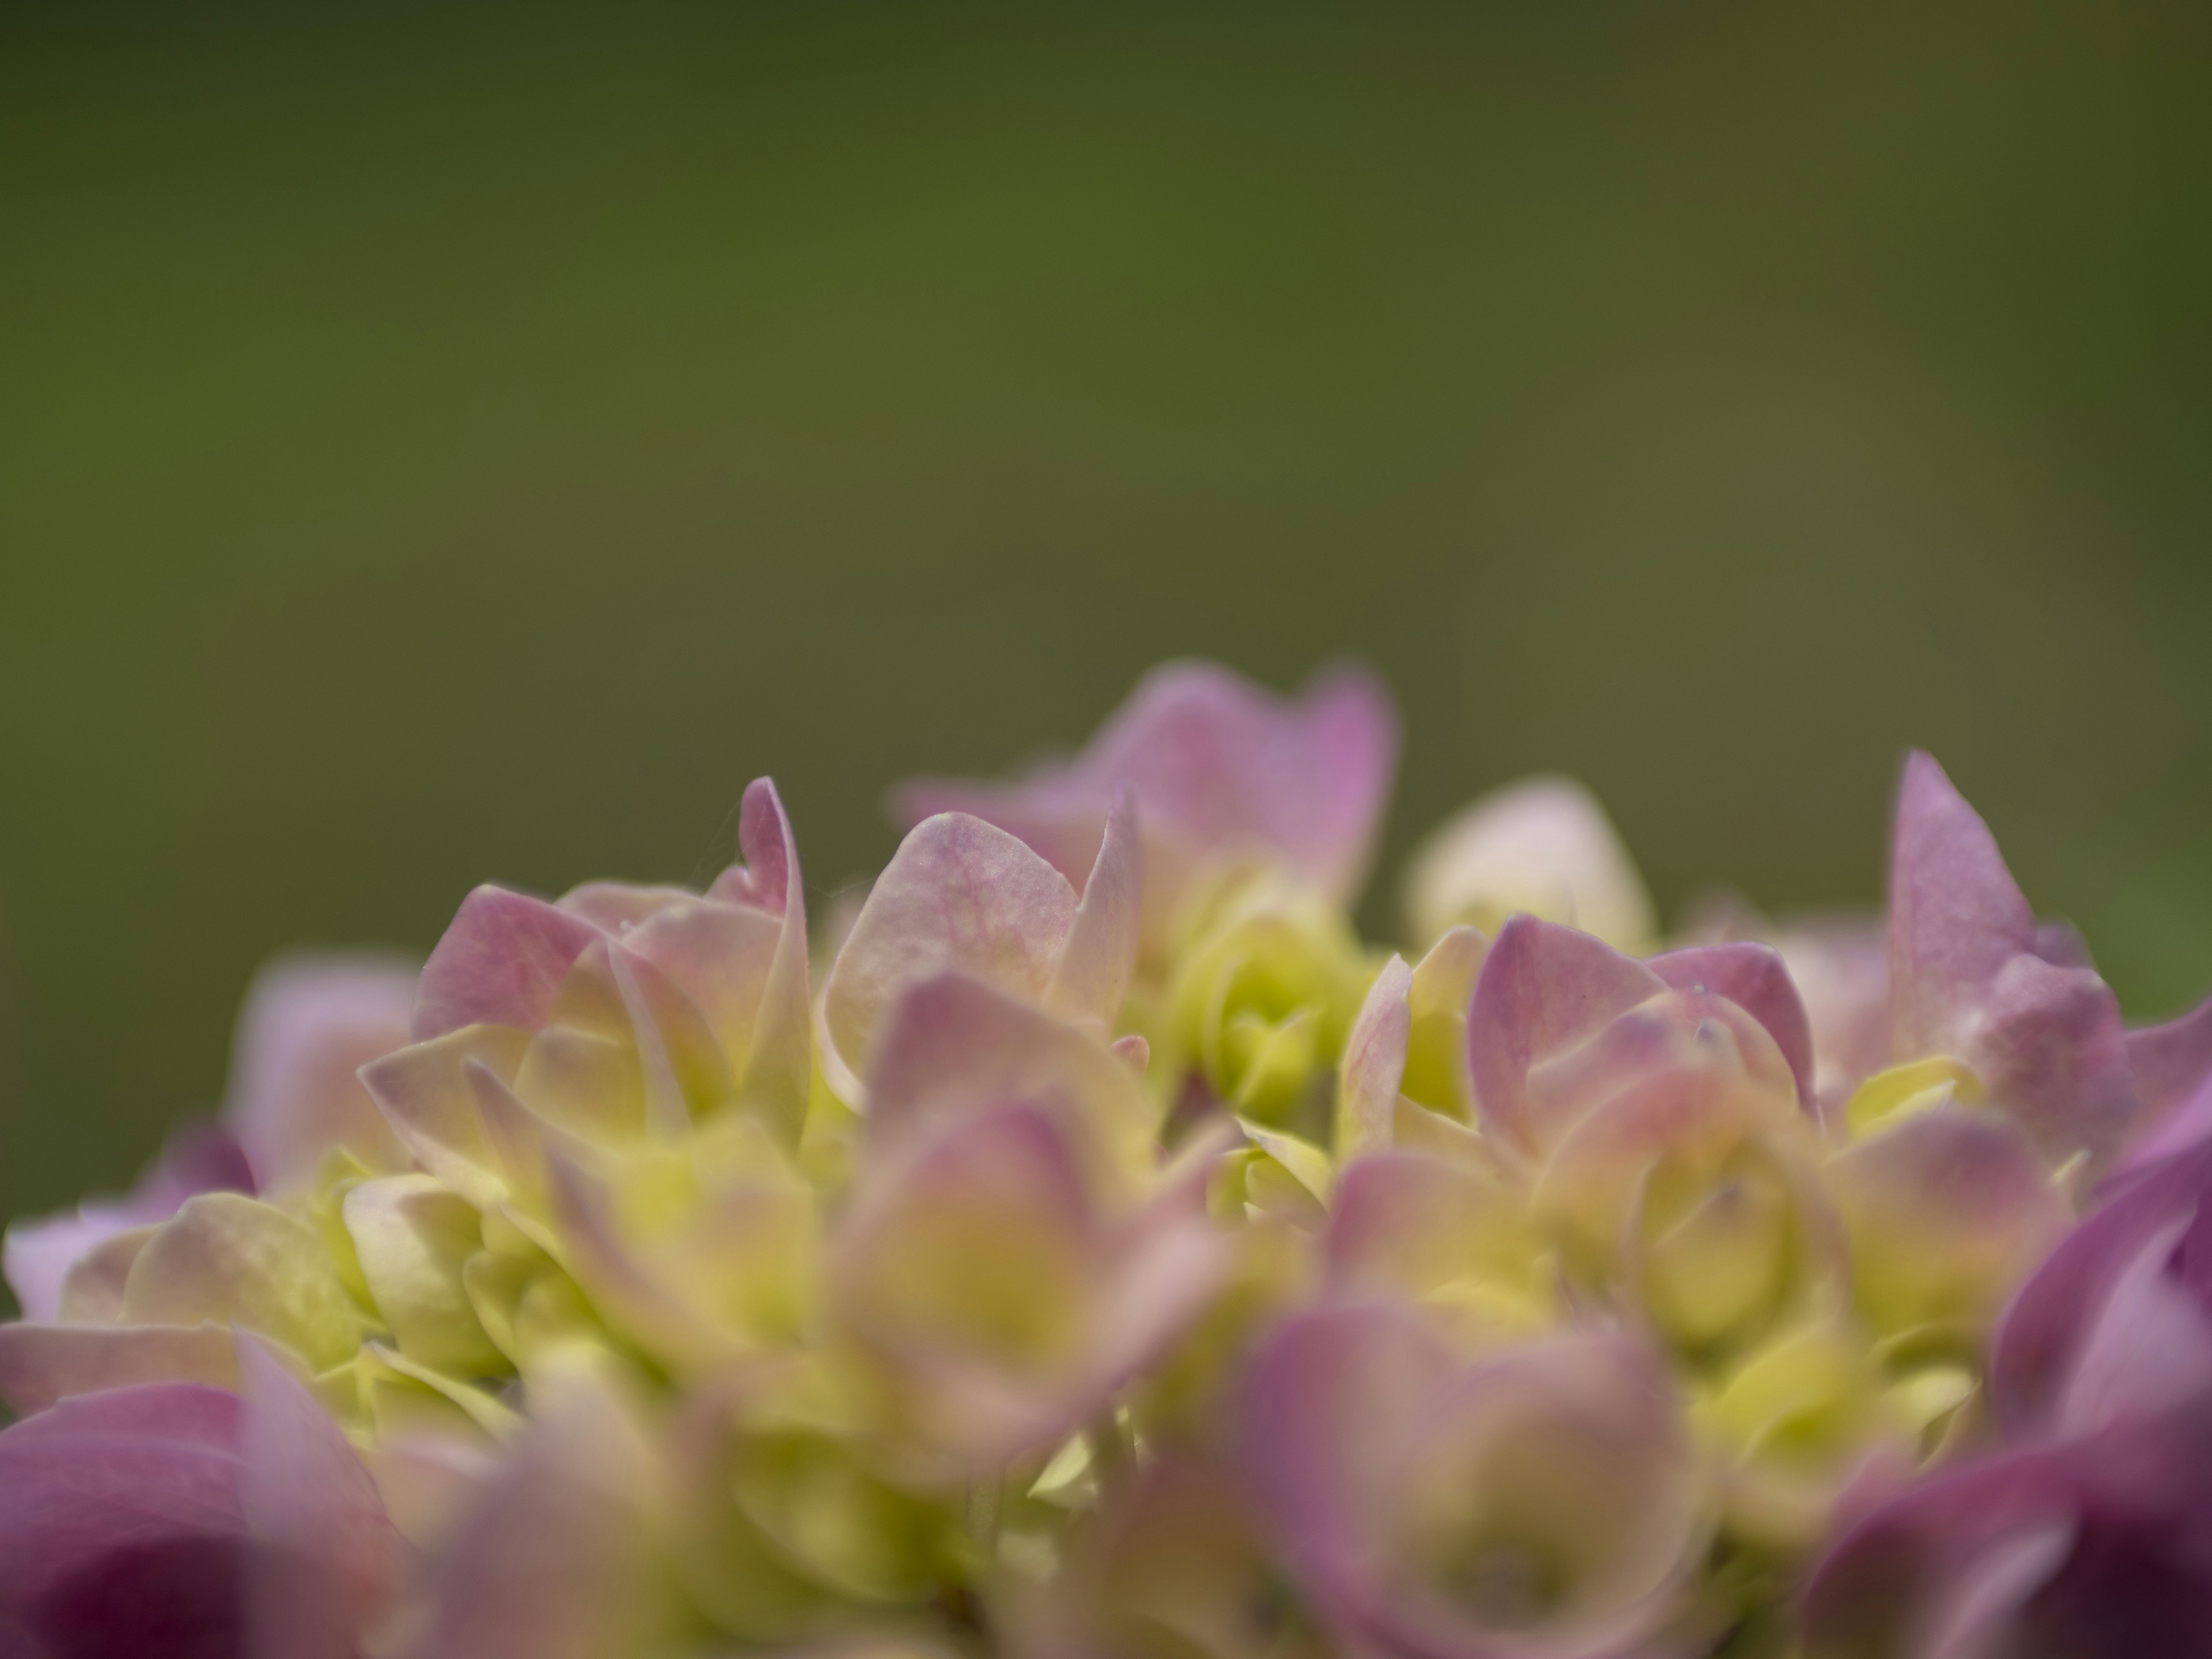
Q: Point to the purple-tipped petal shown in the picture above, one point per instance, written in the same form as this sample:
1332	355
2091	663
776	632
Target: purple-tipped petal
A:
959	895
309	1025
1966	979
1956	916
1544	990
1093	971
501	962
1753	977
778	1071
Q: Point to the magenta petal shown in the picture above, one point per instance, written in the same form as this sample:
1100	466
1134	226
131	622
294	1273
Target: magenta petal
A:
2039	1342
2172	1067
1956	916
1544	989
1753	977
2091	1548
500	963
122	1531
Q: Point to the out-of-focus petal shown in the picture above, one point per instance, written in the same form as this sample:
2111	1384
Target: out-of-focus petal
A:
2091	1547
1541	1501
1435	1045
1374	1063
960	895
552	1560
973	1269
37	1256
500	963
2038	1344
952	1045
309	1025
1947	1212
1451	1235
2173	1066
326	1554
1220	767
122	1529
1543	846
42	1364
1100	952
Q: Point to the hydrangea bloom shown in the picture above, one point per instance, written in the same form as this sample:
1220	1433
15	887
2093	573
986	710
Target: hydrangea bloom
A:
1098	1251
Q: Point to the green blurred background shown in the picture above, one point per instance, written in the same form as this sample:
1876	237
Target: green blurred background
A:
469	443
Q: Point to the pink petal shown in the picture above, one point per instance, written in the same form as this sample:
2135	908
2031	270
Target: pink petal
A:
1544	990
309	1025
1948	1212
1754	978
1966	979
1374	1064
959	895
954	1046
425	1094
1218	765
500	963
550	1563
1956	916
2051	1051
778	1074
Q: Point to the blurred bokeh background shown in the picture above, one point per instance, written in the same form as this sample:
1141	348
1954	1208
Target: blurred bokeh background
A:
469	443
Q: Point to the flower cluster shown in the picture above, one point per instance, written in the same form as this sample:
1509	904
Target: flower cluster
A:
1084	1246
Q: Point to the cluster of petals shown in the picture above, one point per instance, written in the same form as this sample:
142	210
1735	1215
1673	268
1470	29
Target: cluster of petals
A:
1088	1247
